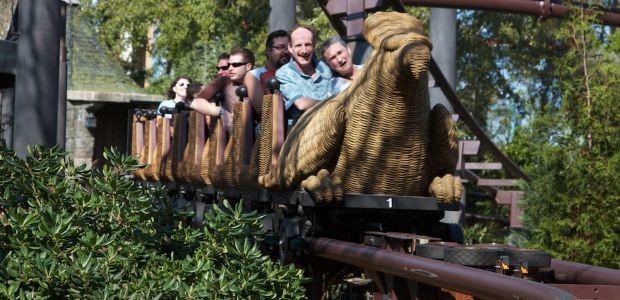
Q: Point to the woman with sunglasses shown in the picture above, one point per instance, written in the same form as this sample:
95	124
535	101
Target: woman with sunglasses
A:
176	93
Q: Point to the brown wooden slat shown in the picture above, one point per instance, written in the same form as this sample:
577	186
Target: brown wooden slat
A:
507	197
467	148
151	142
497	182
355	16
515	215
471	147
338	8
471	176
483	166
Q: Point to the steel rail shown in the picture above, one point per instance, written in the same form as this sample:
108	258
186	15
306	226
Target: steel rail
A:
540	8
486	142
475	282
572	272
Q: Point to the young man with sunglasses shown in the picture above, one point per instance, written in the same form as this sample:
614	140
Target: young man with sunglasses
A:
241	61
222	65
304	80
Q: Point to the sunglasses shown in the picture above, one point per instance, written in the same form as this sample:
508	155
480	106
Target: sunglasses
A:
281	47
236	64
182	84
222	68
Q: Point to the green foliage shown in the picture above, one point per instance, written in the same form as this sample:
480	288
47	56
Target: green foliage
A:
69	232
191	33
503	63
571	151
487	222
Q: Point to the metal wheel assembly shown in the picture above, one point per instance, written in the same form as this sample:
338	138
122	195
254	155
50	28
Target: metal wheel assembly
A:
470	256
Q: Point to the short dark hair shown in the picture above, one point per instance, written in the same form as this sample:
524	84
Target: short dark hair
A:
297	26
330	41
247	54
224	55
273	35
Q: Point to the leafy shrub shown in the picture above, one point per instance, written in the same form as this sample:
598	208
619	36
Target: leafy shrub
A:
69	232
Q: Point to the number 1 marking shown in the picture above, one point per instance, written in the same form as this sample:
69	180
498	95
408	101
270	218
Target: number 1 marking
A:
389	201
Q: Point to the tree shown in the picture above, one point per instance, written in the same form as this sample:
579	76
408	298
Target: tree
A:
190	34
503	67
571	207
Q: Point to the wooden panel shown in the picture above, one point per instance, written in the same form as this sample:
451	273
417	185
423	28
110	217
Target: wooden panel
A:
515	215
507	197
338	8
471	147
355	17
483	166
497	182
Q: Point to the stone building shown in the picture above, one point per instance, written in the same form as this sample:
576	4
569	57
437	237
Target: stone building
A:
100	96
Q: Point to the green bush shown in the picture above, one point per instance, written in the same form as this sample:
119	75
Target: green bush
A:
70	232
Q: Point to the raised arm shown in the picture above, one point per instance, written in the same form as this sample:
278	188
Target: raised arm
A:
205	107
200	103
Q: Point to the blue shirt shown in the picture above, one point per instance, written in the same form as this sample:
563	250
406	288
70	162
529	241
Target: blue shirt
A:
169	104
294	84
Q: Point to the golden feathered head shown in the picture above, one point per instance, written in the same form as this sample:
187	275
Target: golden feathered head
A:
391	30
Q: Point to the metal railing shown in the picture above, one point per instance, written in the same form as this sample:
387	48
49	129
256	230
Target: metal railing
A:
477	283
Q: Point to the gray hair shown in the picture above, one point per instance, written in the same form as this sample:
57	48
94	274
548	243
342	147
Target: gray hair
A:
330	41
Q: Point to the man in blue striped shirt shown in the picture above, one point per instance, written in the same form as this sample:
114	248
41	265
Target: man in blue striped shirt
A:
304	80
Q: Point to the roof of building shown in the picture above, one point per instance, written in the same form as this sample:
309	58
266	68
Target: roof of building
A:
90	67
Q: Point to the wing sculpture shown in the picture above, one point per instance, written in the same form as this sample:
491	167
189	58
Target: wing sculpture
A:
313	144
378	136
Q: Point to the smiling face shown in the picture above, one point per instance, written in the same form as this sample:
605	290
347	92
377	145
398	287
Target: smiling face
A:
278	54
238	67
338	57
301	47
180	89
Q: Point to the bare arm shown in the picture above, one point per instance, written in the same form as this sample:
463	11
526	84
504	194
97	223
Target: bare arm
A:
205	107
304	103
200	103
